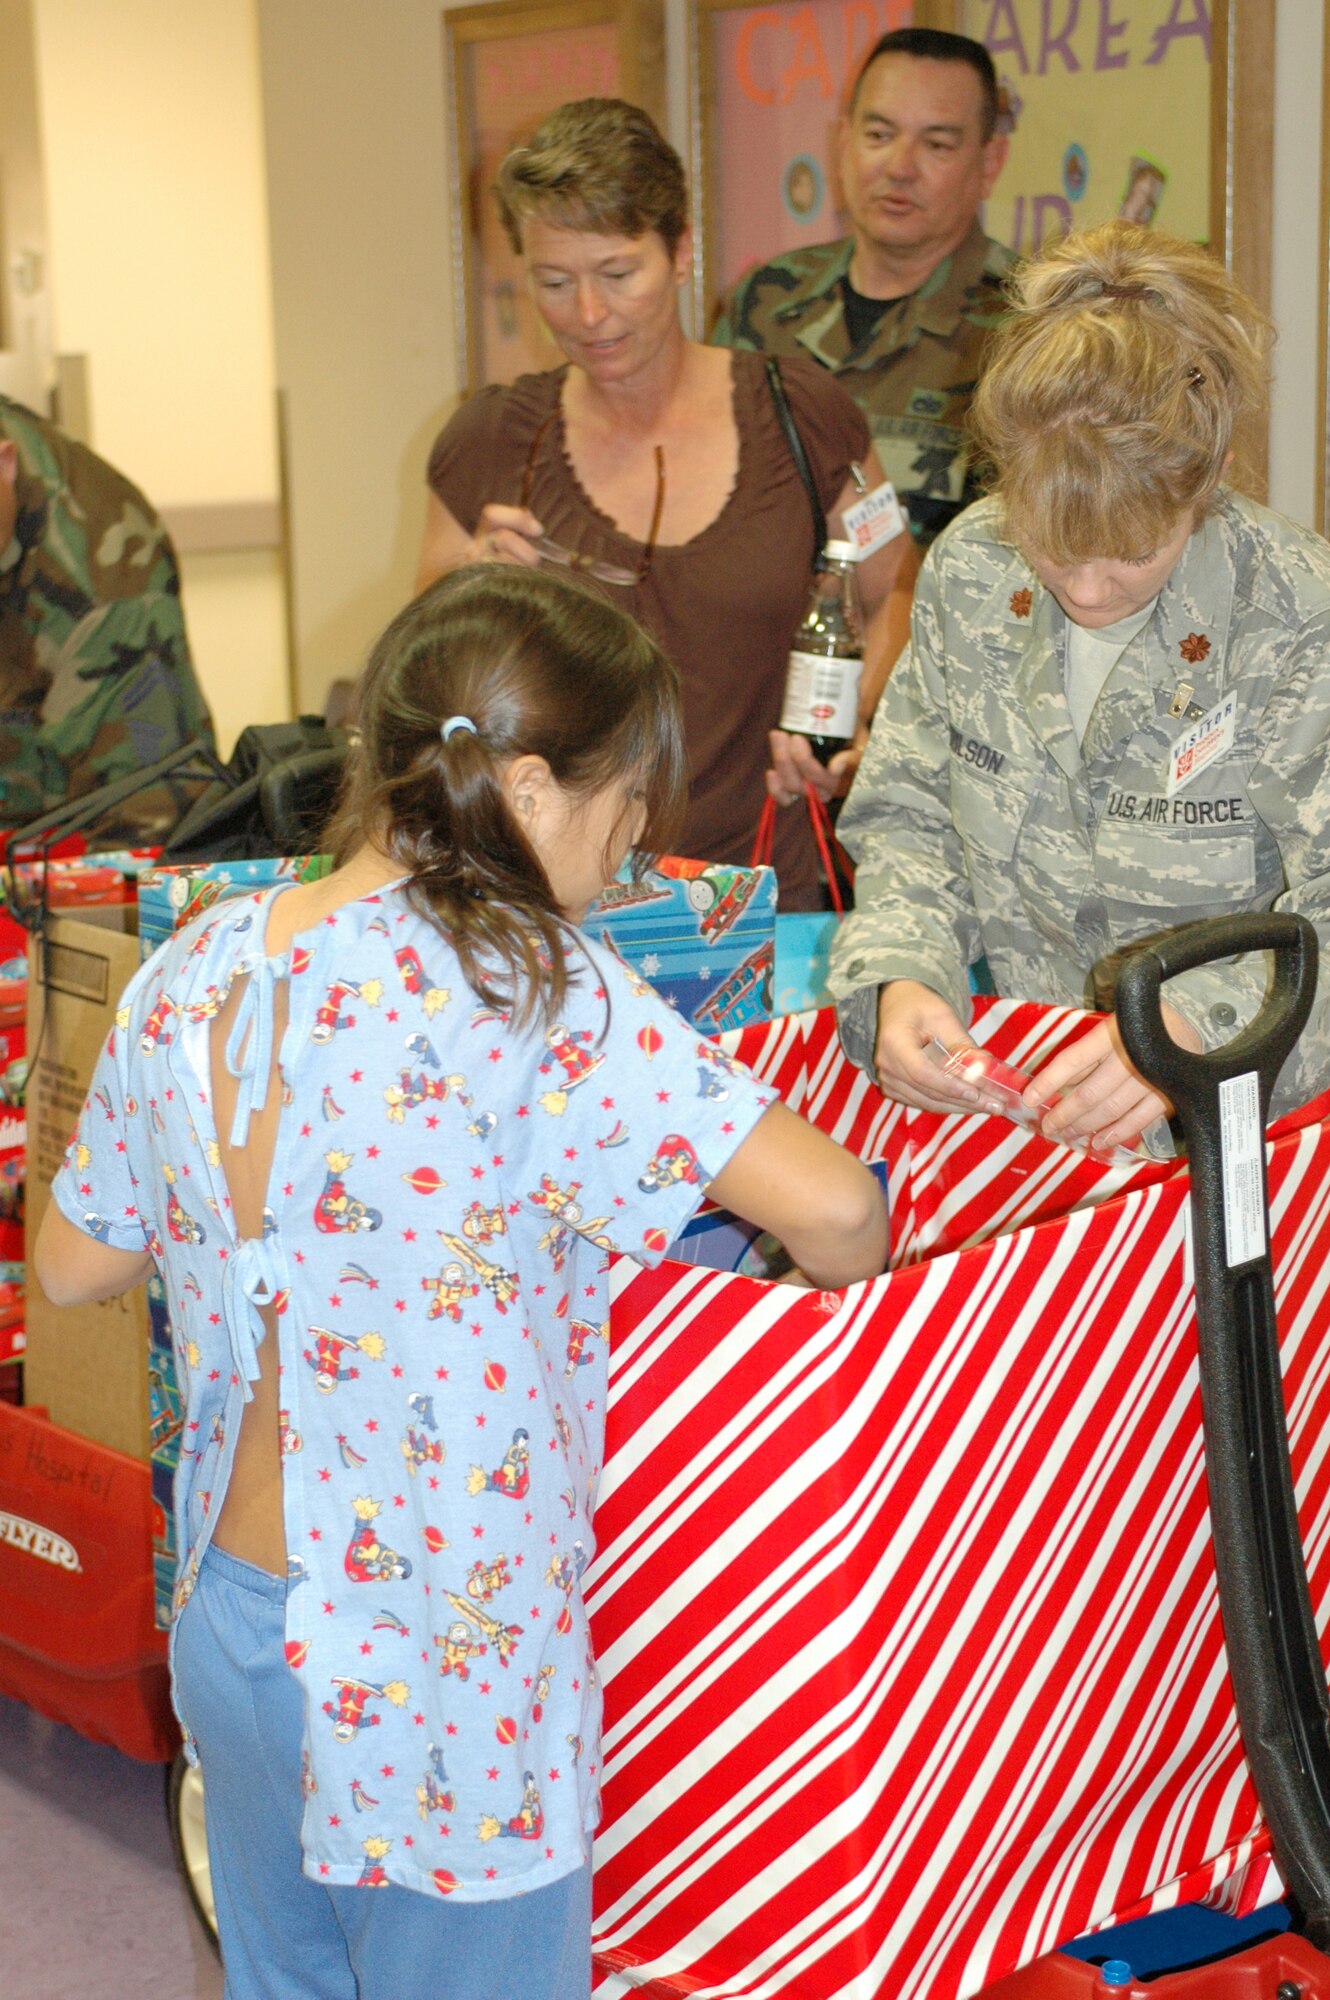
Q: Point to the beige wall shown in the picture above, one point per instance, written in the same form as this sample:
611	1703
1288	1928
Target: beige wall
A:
1297	280
361	224
353	104
155	184
25	332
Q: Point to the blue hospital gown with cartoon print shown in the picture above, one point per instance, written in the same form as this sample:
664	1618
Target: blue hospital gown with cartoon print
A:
444	1197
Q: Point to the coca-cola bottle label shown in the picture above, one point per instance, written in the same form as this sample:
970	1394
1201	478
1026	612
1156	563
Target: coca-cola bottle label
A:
821	696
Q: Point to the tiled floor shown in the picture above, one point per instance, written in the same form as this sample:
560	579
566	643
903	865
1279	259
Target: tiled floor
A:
90	1900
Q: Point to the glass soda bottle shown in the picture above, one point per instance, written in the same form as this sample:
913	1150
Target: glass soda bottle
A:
827	660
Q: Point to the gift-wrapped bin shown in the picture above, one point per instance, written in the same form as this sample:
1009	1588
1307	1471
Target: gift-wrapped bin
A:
904	1602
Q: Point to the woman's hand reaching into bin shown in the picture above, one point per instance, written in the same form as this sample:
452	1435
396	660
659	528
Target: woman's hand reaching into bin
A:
1097	1098
910	1018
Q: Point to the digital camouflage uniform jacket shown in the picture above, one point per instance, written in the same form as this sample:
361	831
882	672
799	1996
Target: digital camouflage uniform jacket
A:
95	675
981	826
913	379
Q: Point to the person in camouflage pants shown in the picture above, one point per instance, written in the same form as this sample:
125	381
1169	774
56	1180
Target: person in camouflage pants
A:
96	679
1114	716
900	311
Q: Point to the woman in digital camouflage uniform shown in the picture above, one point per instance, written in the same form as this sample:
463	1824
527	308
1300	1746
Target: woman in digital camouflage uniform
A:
1113	715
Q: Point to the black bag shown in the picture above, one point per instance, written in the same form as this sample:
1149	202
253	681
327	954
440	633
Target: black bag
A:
279	793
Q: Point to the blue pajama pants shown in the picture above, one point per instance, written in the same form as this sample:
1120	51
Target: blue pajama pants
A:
285	1937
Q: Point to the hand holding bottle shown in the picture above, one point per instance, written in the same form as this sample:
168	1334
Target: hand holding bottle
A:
795	766
819	718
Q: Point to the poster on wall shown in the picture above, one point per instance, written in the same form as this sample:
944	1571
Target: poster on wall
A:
1110	109
772	84
509	66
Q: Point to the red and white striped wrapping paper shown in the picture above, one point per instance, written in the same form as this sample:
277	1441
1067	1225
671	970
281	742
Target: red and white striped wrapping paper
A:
904	1605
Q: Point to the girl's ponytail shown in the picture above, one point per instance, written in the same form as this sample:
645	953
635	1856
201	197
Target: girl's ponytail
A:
492	663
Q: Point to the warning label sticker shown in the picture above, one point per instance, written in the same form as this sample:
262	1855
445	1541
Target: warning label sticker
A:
1241	1142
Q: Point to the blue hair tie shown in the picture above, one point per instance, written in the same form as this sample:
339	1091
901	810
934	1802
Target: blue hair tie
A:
456	722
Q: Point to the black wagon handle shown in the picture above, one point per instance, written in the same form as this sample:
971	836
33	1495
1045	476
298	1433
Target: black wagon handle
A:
1264	1045
1222	1097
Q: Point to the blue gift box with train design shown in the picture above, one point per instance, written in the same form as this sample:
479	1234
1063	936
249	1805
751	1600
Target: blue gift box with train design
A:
170	897
702	932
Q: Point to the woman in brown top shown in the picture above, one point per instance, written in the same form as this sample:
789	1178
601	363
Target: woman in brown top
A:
657	466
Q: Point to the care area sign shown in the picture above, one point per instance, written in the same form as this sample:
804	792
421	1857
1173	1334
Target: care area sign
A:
1110	103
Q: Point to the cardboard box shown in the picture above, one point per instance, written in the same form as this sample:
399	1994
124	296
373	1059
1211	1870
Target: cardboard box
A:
87	1364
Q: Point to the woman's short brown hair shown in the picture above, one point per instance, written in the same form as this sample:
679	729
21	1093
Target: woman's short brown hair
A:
597	164
1111	394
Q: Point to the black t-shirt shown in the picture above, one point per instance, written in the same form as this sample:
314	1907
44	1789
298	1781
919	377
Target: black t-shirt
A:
863	316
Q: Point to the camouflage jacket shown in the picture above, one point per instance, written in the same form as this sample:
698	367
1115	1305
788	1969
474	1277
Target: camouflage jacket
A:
912	379
981	826
95	675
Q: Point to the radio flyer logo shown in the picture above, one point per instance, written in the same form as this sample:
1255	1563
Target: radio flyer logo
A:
43	1543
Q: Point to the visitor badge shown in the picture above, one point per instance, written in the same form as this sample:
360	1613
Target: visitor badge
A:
874	521
1198	747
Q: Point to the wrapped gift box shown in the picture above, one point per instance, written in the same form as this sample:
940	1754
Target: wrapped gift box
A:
171	897
13	1337
69	882
703	934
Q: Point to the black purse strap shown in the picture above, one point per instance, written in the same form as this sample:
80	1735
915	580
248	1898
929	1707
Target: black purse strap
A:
785	415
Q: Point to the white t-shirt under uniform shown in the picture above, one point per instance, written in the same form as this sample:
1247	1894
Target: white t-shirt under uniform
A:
1091	658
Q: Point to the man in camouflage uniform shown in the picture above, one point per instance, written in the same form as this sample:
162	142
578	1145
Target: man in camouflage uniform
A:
95	675
900	310
983	826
